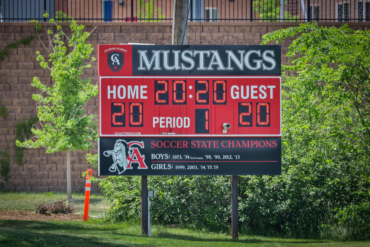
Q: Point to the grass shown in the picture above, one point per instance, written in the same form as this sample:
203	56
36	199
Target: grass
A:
96	232
27	201
99	233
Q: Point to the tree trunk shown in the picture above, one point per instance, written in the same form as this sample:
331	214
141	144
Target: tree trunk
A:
180	22
69	187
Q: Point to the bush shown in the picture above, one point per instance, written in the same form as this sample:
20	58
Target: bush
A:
58	207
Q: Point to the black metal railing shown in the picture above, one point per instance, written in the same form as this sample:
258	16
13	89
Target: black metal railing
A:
199	10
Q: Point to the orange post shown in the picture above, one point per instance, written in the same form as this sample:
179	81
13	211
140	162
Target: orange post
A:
87	194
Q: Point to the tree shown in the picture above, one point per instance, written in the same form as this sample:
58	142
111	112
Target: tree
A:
64	125
268	10
148	12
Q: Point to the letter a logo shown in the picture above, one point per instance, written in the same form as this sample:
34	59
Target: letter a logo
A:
116	60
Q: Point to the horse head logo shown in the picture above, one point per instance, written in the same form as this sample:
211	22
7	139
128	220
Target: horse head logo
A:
124	155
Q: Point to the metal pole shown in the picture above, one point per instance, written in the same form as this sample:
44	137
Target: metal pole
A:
144	205
282	10
251	10
149	230
132	10
173	21
234	206
308	11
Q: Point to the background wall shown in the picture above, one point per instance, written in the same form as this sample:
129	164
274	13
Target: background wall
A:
47	172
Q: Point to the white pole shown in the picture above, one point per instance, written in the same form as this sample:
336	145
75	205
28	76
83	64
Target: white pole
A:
282	10
149	230
304	11
173	22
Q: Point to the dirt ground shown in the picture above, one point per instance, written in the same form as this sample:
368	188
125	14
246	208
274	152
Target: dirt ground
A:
23	215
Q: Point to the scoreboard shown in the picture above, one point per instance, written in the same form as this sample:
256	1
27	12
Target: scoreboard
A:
162	108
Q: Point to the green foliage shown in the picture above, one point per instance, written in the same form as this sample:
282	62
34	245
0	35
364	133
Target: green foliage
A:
23	132
5	52
5	165
269	10
148	12
60	16
324	189
64	123
3	110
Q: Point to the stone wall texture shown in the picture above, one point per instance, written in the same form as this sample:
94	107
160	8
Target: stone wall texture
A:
47	172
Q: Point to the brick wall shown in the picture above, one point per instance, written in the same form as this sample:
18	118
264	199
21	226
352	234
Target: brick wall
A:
47	172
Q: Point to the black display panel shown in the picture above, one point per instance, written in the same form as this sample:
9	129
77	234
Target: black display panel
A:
161	92
136	114
263	114
220	92
245	114
118	114
143	156
201	92
201	121
179	92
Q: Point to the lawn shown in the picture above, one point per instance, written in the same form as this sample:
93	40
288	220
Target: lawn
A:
27	201
96	232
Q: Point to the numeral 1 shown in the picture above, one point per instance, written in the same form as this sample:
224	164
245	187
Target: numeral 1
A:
201	121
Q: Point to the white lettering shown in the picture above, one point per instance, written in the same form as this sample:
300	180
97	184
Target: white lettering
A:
187	60
168	122
257	61
155	121
133	92
271	91
235	94
216	60
179	122
246	96
253	92
154	61
123	95
231	56
262	90
269	60
166	66
186	122
201	58
142	92
112	91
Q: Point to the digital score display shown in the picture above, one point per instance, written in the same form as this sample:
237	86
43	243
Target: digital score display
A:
189	110
150	106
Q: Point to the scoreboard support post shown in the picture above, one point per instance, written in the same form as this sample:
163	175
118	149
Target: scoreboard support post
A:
234	206
144	205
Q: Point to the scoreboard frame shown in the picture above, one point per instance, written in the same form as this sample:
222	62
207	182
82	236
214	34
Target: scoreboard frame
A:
181	151
190	77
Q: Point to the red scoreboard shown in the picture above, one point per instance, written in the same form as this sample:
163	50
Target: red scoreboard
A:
177	101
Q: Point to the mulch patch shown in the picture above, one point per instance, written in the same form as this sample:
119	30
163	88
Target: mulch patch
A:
23	215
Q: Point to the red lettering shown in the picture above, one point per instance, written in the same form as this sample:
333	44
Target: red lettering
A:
274	144
193	144
222	144
185	144
238	144
245	144
136	158
263	142
153	144
215	144
268	143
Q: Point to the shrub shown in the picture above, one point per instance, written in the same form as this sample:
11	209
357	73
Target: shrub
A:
58	207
